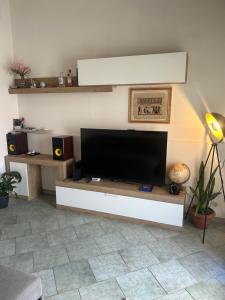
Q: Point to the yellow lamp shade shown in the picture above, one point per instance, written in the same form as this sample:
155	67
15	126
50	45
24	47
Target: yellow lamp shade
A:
216	125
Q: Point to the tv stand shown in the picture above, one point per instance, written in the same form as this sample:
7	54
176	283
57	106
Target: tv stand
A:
121	200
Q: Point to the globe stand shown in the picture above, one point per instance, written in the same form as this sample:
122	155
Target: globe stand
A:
213	150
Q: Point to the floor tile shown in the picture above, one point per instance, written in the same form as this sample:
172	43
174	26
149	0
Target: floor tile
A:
218	255
221	227
161	233
70	219
201	266
138	257
73	275
89	230
111	242
188	227
140	285
107	266
48	282
166	250
7	248
31	242
21	262
61	236
91	218
46	224
221	278
180	295
15	230
189	243
213	237
172	276
107	290
82	249
71	295
50	257
7	220
112	226
137	236
26	217
141	241
211	289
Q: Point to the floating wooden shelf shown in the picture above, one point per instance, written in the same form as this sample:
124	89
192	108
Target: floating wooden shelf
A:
77	89
52	87
37	131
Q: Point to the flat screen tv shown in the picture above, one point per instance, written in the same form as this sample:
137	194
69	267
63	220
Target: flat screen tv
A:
126	155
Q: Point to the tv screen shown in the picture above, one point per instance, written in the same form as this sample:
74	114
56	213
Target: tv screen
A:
126	155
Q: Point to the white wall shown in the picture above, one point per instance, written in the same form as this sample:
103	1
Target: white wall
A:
8	104
50	35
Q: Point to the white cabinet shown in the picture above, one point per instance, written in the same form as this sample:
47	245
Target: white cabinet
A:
22	187
139	69
132	207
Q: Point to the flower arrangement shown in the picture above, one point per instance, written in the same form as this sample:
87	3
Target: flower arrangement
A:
19	68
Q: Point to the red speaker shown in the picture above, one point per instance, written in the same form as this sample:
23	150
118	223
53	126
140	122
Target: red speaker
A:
17	143
62	147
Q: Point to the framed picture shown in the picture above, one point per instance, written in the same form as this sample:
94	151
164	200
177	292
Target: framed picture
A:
150	105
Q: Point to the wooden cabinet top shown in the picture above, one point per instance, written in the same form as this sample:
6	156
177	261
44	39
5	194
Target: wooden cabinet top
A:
40	159
124	189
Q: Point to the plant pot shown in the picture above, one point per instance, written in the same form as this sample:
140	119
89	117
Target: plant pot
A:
199	220
4	201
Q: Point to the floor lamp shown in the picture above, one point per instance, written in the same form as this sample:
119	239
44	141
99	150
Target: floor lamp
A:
216	127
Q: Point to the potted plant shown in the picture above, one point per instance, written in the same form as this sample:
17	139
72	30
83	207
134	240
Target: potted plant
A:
19	68
8	181
204	194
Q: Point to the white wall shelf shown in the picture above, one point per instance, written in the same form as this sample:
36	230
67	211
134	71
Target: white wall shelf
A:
140	69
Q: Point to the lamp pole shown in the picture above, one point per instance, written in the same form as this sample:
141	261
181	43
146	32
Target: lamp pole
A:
216	125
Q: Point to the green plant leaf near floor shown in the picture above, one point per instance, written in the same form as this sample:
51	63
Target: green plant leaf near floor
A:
8	182
204	193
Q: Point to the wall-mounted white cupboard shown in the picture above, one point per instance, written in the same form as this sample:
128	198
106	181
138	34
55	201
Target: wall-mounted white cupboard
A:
140	69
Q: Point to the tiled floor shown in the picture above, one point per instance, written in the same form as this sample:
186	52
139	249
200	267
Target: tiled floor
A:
81	257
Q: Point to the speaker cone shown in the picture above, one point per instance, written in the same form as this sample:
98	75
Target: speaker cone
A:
58	152
12	147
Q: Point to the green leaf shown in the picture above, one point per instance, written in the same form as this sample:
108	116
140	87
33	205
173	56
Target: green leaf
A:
8	182
204	191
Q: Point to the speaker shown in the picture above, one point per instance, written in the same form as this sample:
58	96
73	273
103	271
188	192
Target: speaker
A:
62	147
17	143
77	170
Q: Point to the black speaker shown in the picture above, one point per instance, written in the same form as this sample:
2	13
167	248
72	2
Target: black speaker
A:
62	147
17	143
77	170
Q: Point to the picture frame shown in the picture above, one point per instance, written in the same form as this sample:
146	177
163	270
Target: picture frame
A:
150	105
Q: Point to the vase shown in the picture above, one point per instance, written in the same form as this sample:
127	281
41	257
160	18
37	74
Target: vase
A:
199	220
4	201
21	83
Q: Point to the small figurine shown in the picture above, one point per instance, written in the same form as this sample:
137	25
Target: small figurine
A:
33	83
174	188
42	84
18	123
61	80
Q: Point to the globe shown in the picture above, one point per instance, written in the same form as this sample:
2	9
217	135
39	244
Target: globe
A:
179	173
